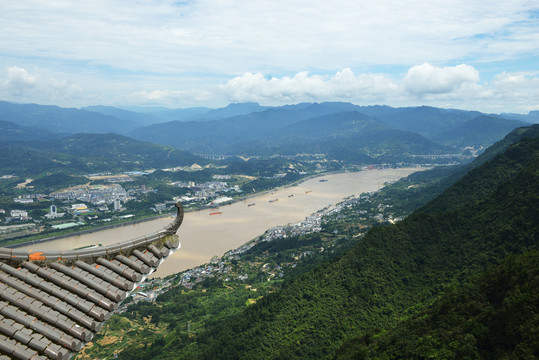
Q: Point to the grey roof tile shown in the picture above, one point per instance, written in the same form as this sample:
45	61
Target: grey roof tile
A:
52	302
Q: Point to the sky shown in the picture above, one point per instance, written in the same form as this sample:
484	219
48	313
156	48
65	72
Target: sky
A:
466	54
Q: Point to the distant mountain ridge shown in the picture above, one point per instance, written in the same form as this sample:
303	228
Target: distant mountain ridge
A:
392	273
62	120
320	126
403	291
201	113
530	117
217	135
87	153
349	136
12	132
251	129
477	131
140	119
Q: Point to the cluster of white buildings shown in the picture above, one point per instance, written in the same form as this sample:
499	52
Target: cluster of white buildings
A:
208	190
28	198
94	194
19	214
310	224
193	276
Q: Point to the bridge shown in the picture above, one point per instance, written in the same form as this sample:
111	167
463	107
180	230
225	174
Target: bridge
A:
53	302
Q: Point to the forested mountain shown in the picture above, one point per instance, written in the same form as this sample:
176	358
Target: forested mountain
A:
251	129
63	120
83	153
20	160
349	136
481	181
288	128
494	316
12	132
216	135
341	135
478	131
138	119
531	117
397	271
120	148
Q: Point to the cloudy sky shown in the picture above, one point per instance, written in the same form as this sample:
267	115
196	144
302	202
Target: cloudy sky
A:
468	54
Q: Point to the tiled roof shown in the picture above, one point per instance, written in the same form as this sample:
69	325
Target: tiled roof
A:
53	302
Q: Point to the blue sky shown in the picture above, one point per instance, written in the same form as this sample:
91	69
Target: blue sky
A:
453	53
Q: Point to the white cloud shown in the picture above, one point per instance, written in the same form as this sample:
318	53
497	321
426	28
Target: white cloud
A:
427	79
21	85
225	36
517	81
344	86
303	86
172	98
521	89
18	81
208	52
449	87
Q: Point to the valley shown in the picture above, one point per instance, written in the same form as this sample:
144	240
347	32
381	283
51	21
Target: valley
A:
285	206
269	180
242	149
203	237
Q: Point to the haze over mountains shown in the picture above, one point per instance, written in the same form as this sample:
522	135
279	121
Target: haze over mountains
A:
274	128
62	120
340	130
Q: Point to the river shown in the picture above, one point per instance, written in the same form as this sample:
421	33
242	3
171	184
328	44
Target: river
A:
203	236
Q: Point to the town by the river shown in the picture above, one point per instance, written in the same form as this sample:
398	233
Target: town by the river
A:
212	232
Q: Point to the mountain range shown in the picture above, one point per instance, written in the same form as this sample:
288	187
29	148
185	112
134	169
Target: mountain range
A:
234	128
458	278
88	153
63	120
341	131
324	127
396	269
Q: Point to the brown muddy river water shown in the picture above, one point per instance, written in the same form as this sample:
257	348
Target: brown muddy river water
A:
203	236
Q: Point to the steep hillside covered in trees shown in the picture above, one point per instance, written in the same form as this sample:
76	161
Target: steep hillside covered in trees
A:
348	307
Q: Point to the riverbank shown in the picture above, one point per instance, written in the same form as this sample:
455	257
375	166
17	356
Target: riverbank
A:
203	237
152	218
87	231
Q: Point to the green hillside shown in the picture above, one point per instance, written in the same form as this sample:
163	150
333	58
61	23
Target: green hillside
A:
394	272
480	131
87	153
10	131
349	136
113	148
481	181
19	160
60	120
494	316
